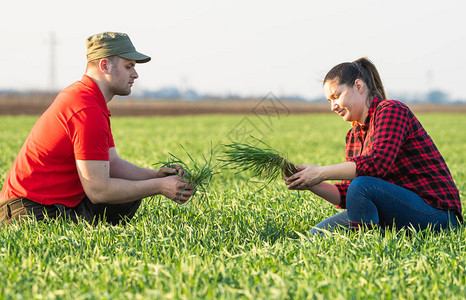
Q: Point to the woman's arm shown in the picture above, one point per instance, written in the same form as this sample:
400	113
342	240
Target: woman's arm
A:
312	177
327	191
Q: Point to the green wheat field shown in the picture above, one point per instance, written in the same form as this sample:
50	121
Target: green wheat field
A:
237	242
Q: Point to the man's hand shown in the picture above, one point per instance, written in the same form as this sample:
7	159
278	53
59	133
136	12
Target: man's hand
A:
177	188
307	177
101	188
168	171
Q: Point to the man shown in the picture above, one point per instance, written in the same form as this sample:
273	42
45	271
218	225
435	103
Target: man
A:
68	166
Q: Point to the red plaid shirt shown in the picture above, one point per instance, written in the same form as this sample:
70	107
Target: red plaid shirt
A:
392	145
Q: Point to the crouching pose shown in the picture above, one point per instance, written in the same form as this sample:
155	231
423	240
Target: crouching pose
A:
394	175
68	166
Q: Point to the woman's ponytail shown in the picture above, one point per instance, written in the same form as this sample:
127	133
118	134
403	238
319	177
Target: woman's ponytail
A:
373	79
362	68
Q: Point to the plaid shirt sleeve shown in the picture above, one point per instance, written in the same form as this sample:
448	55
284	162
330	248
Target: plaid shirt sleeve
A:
342	188
390	129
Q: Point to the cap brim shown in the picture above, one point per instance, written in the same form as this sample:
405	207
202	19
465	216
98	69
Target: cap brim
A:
138	57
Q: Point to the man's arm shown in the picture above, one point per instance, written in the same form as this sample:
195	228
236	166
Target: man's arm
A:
100	187
120	168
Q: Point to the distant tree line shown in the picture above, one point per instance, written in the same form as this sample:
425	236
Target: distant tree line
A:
434	96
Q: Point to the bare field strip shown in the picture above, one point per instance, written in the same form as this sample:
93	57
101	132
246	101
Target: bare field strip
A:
131	107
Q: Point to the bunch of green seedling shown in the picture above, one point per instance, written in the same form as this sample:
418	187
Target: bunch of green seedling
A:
197	174
263	162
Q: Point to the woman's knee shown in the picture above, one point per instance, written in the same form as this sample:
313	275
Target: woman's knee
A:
356	189
361	182
362	187
360	199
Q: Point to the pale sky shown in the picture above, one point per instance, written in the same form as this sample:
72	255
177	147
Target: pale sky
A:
244	47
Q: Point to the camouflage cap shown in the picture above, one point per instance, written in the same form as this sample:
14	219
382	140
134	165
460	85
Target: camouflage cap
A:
107	44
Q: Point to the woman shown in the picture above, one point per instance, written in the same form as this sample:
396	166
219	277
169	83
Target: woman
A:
394	174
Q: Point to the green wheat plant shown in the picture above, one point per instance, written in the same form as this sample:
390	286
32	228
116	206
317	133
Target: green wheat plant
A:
195	173
263	162
241	244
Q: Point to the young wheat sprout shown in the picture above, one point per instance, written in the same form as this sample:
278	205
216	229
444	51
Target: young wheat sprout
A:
197	174
264	163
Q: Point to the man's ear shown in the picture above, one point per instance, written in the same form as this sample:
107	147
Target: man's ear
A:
104	65
359	85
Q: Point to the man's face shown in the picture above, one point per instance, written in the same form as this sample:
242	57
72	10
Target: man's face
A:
122	75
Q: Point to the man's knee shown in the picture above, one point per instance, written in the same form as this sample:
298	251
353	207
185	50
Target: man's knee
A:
115	213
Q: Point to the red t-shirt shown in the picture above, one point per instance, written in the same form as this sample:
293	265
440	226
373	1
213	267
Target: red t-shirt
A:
76	126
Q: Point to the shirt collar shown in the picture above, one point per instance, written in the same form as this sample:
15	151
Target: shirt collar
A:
87	81
370	113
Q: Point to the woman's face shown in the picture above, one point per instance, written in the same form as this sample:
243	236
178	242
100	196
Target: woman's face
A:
348	102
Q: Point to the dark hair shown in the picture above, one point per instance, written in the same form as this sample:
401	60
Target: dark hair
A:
95	63
364	69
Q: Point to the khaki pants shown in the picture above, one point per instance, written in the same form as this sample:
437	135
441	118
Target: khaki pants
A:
20	208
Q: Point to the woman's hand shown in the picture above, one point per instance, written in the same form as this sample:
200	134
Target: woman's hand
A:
307	176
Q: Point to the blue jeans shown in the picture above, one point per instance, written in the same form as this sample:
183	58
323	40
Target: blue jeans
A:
373	200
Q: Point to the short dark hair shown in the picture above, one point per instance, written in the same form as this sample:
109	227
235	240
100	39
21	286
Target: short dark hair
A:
94	63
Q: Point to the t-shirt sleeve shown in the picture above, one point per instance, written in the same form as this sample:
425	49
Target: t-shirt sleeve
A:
90	134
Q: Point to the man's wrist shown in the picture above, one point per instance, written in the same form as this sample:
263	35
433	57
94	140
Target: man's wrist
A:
157	173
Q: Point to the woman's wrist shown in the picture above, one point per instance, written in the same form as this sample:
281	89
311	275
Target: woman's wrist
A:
343	171
325	172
